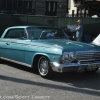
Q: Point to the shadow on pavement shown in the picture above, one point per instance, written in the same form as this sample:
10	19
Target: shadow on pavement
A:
78	81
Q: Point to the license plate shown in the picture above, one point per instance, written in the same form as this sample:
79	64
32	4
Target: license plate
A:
91	67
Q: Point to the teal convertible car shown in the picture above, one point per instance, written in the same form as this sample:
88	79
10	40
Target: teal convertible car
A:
48	49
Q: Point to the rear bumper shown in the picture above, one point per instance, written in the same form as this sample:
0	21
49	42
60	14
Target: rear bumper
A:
71	66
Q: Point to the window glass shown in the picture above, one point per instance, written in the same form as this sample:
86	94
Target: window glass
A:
15	5
4	4
0	4
16	33
45	33
51	8
9	4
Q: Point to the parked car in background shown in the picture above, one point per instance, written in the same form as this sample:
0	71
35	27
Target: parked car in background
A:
47	49
96	40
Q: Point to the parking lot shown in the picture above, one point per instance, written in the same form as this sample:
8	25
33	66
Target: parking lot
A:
21	83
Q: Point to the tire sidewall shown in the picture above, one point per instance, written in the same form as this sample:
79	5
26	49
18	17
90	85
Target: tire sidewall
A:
49	73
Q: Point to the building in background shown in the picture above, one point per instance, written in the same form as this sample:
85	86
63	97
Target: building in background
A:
35	7
84	8
72	7
69	8
89	8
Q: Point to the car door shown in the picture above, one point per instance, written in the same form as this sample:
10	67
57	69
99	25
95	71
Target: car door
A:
3	44
15	46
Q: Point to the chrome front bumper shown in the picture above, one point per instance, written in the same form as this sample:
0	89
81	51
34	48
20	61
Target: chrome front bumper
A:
71	66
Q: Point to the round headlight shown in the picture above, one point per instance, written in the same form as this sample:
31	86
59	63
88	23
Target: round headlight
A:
66	56
72	55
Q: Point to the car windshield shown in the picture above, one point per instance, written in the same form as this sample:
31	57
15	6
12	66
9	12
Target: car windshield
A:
45	33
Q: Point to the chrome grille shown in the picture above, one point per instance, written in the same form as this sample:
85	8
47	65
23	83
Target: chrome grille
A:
88	56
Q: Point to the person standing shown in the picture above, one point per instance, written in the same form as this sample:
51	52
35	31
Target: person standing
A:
79	30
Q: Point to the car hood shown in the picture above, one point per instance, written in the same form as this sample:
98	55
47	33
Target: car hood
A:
68	45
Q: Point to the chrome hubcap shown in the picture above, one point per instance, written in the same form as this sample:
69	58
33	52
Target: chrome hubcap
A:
43	66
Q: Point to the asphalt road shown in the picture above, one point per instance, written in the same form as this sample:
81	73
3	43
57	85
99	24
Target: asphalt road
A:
21	83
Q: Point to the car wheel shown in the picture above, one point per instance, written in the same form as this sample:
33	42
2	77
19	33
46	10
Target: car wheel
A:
93	70
44	67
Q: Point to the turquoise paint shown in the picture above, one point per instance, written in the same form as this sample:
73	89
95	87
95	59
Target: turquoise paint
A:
25	50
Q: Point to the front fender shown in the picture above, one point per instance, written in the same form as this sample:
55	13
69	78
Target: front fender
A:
51	57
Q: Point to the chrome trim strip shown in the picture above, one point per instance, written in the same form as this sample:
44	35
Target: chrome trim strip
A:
88	60
16	62
26	44
90	51
59	67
